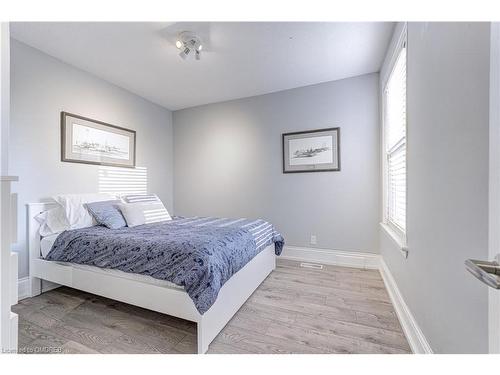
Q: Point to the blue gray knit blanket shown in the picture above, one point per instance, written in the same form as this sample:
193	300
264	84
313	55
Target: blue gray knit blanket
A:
199	253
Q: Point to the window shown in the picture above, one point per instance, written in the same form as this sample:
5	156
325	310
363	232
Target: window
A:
395	145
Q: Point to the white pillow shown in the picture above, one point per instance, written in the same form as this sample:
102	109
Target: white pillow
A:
52	221
76	212
144	213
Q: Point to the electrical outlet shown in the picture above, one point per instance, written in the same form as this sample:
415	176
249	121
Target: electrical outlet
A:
313	239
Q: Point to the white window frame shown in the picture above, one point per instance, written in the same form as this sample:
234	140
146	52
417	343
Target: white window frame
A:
395	232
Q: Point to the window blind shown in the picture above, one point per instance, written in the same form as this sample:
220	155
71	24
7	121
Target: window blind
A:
395	143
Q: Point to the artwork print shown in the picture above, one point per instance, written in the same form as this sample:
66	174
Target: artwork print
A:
311	151
89	141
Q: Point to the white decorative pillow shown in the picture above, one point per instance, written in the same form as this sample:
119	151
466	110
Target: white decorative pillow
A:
77	214
144	213
52	221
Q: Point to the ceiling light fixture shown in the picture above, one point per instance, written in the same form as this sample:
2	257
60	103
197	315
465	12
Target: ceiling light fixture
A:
184	53
188	42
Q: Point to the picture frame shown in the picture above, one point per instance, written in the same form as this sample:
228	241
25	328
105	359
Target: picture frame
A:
88	141
315	150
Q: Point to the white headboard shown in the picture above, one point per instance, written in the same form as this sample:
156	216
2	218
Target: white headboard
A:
33	235
33	239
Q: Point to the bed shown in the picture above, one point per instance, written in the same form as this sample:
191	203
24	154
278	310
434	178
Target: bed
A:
211	313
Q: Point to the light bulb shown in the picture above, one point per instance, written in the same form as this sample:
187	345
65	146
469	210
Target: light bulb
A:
184	54
178	44
200	47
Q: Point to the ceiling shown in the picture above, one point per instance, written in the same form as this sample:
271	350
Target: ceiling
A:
239	59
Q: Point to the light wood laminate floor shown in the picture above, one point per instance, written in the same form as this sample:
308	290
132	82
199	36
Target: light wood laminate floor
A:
295	310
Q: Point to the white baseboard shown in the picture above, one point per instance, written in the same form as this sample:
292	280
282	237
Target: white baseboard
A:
335	257
23	291
416	339
14	338
23	287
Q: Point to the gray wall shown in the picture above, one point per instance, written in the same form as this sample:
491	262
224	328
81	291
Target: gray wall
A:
228	162
42	87
448	83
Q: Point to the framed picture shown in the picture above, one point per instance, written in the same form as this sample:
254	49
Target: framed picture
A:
311	151
88	141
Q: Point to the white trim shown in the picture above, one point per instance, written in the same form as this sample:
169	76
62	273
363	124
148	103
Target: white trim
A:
400	36
23	288
494	184
9	178
14	324
397	238
398	41
14	293
414	335
402	44
334	257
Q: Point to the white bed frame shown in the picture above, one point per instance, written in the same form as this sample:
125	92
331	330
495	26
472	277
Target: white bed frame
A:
163	299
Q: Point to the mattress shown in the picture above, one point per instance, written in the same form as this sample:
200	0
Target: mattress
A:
46	245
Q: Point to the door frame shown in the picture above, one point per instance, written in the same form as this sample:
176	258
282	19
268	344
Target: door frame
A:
494	184
8	260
